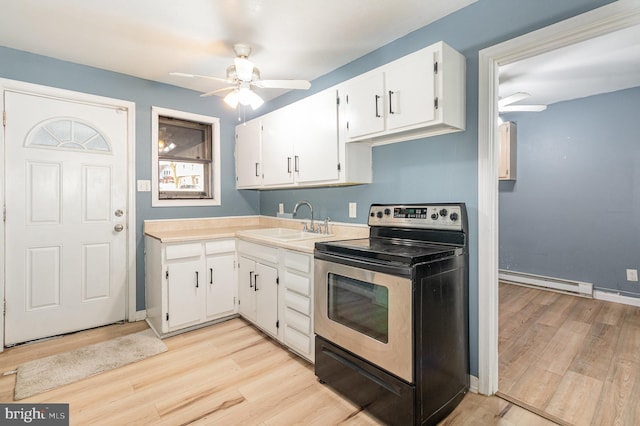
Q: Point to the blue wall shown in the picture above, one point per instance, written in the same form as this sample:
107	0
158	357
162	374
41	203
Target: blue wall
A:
574	210
442	168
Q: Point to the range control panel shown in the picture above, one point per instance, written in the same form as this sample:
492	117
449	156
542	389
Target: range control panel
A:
426	216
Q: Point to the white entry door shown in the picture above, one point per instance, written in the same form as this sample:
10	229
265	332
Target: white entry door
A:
66	205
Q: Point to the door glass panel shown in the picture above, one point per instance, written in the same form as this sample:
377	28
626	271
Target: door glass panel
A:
359	305
67	133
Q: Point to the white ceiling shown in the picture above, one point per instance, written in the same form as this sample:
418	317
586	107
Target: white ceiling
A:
600	65
291	39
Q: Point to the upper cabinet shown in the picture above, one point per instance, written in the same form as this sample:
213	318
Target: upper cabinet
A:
248	155
299	145
309	142
418	95
507	160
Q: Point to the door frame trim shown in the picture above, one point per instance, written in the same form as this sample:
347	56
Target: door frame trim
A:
73	96
614	16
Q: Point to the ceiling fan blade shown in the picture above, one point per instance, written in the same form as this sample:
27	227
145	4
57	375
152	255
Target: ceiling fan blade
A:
522	108
283	84
183	74
244	69
508	100
215	92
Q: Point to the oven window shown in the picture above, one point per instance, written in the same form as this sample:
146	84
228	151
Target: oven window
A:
359	305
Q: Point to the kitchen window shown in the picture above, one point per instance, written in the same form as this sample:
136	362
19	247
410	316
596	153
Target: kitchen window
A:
186	159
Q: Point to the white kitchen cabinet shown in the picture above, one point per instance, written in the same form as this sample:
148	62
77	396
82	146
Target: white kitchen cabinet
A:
180	294
298	302
258	285
300	146
300	142
248	154
220	283
508	160
421	94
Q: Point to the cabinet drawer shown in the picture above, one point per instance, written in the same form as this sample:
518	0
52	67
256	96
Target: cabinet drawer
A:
298	321
298	261
297	340
299	303
297	283
180	251
221	246
268	254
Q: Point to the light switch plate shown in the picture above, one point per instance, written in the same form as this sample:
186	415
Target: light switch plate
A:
632	275
353	210
144	185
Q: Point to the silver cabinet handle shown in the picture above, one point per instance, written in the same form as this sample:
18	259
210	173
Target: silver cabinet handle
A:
296	163
257	169
211	276
197	280
391	93
118	227
377	112
288	164
255	282
250	279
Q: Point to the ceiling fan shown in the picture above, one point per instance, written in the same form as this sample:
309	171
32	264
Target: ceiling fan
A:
505	104
241	76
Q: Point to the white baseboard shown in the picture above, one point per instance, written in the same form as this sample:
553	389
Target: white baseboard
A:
616	298
139	316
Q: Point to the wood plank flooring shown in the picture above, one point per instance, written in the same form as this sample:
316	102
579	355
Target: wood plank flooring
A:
574	358
225	374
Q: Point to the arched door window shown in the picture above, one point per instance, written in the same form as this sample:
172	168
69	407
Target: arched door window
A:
68	134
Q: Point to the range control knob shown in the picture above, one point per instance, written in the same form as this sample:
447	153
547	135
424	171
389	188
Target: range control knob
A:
379	215
443	212
453	216
372	214
434	216
387	212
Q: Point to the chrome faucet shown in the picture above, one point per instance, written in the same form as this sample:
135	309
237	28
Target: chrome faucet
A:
295	210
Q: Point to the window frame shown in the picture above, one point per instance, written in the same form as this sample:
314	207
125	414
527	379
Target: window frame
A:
215	173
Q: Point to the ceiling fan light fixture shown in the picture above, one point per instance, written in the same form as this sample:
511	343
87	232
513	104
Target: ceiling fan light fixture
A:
243	96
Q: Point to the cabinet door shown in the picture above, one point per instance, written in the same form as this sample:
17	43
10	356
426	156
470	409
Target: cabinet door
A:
185	301
410	90
316	141
246	291
221	285
266	288
365	105
248	162
278	134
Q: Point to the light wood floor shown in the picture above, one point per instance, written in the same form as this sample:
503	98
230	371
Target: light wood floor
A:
577	359
226	374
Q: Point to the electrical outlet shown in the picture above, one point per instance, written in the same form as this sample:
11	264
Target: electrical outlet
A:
353	210
281	208
632	275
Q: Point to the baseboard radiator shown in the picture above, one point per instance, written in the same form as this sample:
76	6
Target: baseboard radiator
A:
576	287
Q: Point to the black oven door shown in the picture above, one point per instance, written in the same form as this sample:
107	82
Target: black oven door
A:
368	313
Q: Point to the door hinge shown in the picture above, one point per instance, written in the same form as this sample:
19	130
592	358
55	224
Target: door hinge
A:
278	324
435	103
278	280
337	100
4	307
347	125
435	68
166	274
4	214
167	316
347	98
4	118
339	167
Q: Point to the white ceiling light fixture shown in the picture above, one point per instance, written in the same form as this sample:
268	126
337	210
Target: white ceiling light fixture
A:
242	75
506	104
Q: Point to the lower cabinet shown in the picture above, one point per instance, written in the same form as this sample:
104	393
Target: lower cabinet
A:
189	283
259	294
275	292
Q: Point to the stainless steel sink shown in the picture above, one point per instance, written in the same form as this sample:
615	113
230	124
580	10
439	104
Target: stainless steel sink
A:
285	234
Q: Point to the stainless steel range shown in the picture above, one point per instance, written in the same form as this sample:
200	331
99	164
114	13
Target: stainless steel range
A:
391	313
